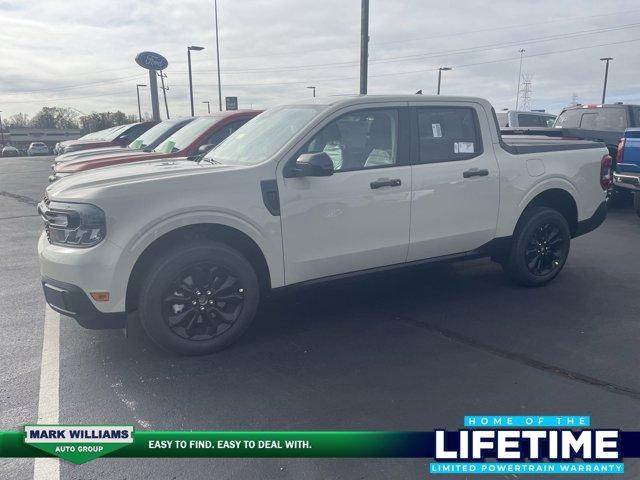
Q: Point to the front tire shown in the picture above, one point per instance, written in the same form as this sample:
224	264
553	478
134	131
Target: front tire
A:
539	248
198	298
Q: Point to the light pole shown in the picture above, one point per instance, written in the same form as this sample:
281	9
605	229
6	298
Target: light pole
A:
1	131
215	8
364	46
519	77
138	92
190	79
440	70
314	90
208	106
606	74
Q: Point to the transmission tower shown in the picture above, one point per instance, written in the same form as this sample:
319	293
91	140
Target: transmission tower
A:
525	93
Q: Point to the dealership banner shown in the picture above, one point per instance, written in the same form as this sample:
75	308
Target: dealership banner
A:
486	445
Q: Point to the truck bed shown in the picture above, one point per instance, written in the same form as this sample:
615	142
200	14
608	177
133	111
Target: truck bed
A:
522	144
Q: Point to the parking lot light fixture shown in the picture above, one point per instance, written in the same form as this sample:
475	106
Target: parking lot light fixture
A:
189	49
440	70
314	90
138	92
208	106
606	74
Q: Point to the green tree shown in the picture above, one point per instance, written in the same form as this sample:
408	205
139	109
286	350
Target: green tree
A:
17	120
54	117
100	120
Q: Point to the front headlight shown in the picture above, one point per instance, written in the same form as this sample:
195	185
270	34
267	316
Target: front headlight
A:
73	224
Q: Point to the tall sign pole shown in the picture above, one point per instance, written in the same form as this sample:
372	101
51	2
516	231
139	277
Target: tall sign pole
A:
215	7
364	46
153	62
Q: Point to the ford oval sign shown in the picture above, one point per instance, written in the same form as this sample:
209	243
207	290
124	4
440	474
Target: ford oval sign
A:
151	61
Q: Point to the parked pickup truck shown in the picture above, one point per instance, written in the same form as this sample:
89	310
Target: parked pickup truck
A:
145	142
627	176
306	193
525	119
192	140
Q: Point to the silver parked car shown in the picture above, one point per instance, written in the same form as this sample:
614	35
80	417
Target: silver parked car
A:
38	148
9	151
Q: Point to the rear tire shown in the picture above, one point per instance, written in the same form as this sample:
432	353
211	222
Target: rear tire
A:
198	298
539	247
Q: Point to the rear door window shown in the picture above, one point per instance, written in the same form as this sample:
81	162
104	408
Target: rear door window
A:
448	134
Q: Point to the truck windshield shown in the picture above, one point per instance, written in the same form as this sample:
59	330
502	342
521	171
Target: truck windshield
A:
186	135
263	136
153	134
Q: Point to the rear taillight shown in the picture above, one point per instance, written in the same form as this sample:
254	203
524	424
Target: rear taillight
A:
620	151
605	172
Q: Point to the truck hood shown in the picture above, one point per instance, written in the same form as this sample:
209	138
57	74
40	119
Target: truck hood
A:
92	152
87	163
79	185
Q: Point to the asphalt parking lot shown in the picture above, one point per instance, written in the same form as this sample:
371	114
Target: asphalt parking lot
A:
412	350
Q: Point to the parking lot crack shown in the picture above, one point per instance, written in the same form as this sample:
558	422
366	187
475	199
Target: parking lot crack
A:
19	198
523	359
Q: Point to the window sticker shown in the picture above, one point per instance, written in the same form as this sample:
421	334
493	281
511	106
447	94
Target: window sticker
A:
437	130
463	147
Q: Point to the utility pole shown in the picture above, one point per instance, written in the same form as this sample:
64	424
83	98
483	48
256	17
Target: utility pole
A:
314	91
208	106
364	46
215	7
164	91
1	131
190	79
519	76
527	90
440	70
138	92
574	99
606	74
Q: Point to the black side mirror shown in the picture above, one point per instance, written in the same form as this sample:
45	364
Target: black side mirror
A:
312	165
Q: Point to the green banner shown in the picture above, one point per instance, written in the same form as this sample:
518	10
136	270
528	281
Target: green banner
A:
79	444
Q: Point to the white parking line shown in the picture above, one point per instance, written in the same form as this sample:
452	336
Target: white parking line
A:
49	397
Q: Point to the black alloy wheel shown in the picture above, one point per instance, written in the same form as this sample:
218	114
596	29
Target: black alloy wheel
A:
545	250
202	302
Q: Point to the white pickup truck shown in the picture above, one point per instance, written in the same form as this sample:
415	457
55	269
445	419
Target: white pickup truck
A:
306	193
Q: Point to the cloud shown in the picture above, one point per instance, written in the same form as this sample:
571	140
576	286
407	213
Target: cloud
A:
79	53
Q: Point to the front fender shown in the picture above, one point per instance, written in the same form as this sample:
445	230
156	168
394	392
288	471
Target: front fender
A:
267	237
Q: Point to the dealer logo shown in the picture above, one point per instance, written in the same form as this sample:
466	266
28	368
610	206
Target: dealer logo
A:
78	443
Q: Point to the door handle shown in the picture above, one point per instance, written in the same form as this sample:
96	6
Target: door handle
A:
475	172
383	182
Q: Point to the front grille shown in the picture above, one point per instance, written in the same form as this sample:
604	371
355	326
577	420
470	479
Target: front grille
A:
45	202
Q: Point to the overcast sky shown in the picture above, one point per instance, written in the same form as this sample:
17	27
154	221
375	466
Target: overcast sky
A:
80	53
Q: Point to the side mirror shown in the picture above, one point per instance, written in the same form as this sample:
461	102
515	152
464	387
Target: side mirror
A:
312	165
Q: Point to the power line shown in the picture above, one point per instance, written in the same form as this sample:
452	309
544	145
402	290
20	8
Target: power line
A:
441	53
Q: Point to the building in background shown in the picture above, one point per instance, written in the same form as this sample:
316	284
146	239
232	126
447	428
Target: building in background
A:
20	137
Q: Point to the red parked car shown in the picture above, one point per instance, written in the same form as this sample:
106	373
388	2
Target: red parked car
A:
111	137
191	141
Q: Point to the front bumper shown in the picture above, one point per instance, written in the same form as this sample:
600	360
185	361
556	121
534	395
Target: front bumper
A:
590	224
629	181
94	269
71	301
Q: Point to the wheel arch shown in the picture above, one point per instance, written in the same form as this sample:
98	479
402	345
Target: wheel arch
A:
558	199
226	234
